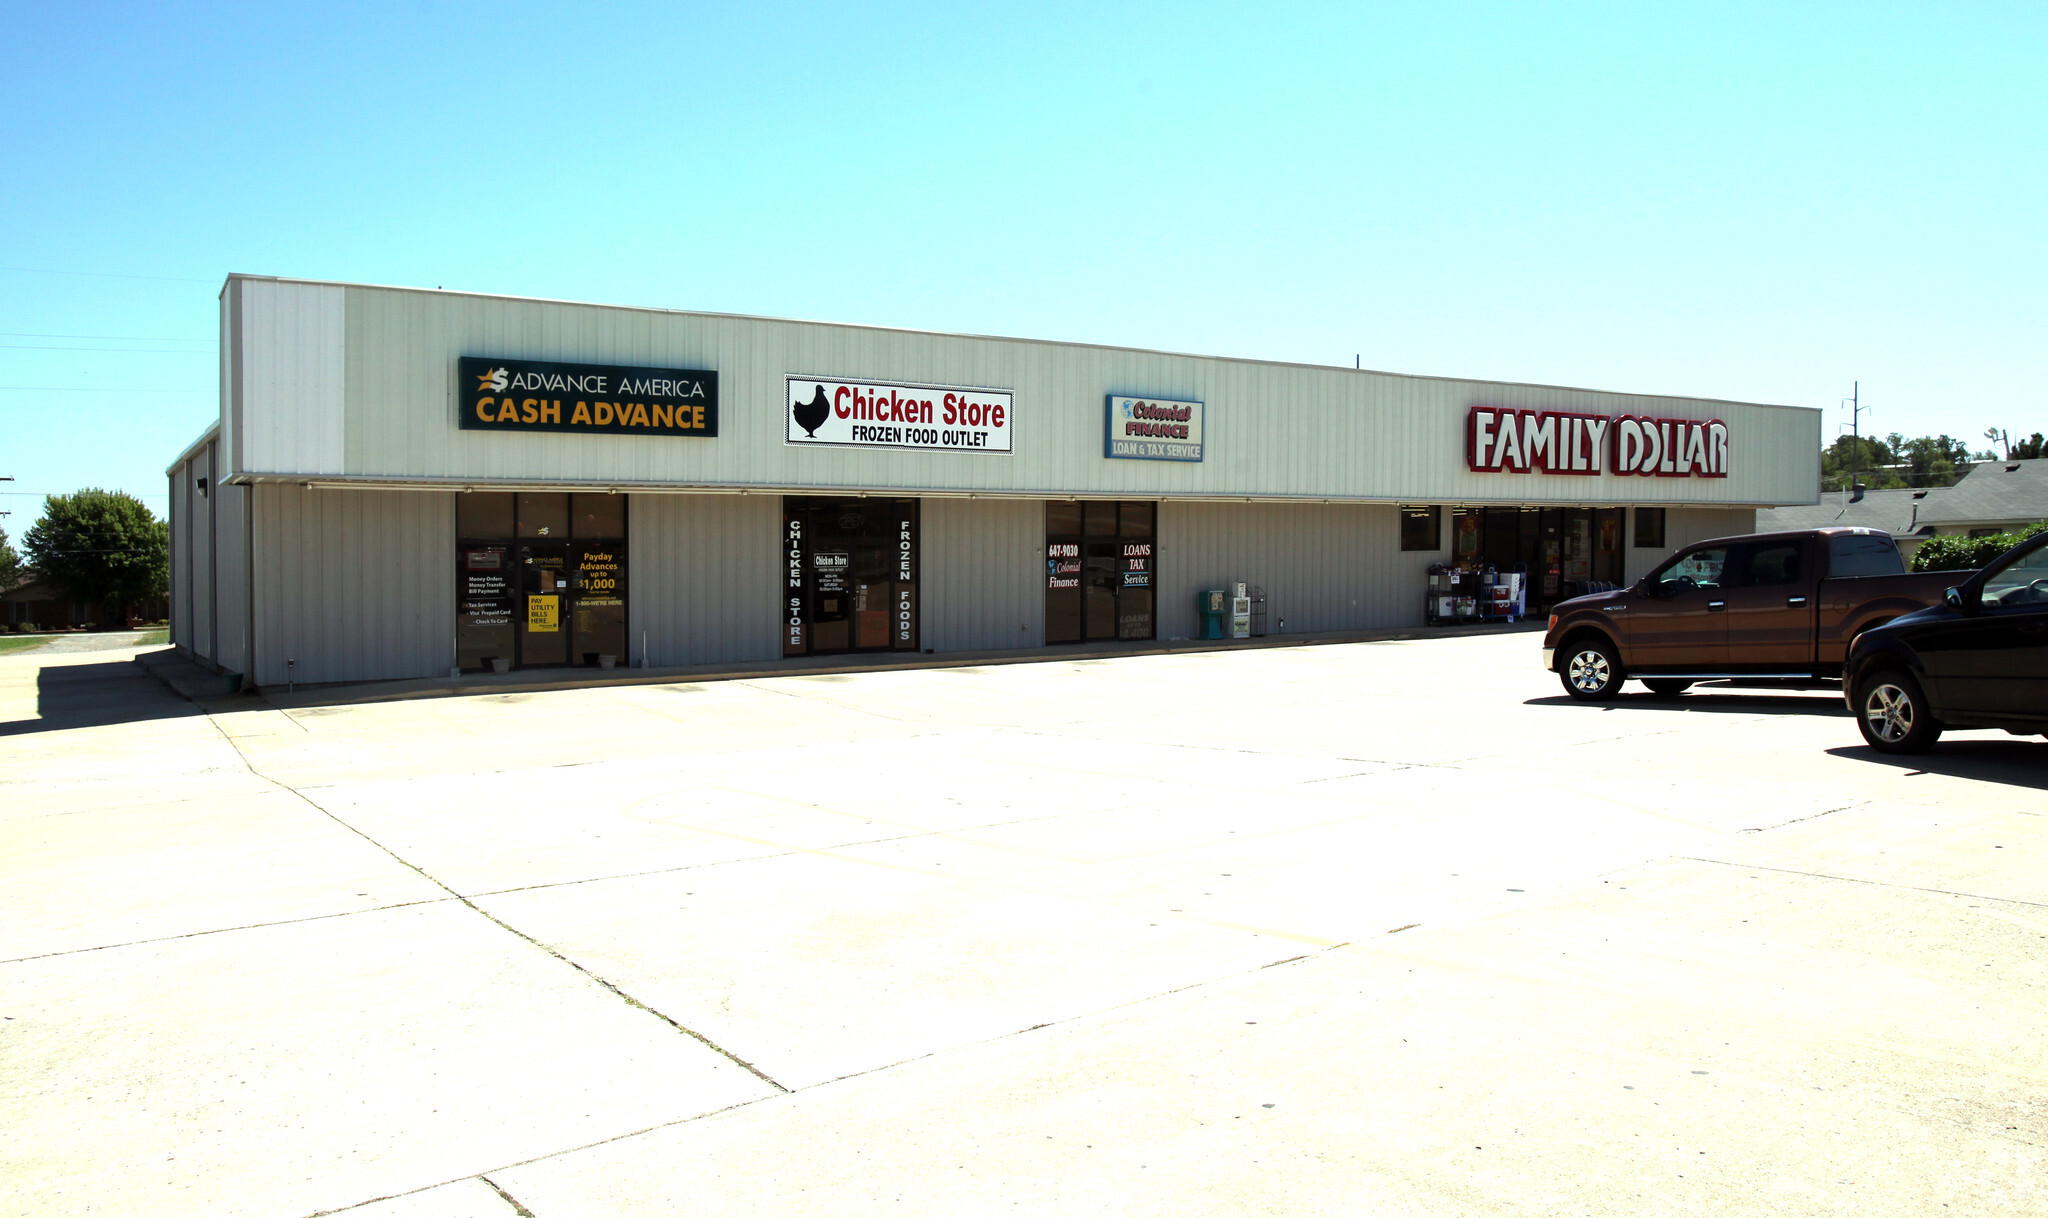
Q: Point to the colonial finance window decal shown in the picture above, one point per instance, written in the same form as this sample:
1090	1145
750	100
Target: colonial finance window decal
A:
597	399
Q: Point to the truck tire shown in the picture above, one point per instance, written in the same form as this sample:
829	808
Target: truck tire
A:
1667	687
1591	672
1892	713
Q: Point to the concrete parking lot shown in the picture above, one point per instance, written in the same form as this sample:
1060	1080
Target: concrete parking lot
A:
1378	929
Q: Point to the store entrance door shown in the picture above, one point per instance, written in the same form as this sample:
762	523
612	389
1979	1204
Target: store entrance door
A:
543	595
1100	560
851	575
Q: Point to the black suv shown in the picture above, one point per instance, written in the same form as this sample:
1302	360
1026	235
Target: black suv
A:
1979	659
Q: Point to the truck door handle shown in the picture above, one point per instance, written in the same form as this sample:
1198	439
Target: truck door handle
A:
1793	602
1716	606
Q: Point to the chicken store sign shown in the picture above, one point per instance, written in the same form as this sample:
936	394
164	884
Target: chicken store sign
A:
1549	442
880	414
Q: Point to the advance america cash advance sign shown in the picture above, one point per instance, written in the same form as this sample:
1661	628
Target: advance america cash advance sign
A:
880	414
598	399
1149	429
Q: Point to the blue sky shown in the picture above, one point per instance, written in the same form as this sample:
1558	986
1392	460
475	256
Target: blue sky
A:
1760	202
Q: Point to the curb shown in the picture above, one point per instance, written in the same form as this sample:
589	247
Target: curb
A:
545	681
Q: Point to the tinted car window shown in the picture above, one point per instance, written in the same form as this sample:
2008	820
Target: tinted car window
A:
1864	554
1770	564
1699	569
2023	583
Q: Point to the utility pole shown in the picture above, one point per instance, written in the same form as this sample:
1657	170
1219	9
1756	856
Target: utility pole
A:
1855	435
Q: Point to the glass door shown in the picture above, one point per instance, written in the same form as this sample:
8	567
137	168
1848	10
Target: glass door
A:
852	575
544	589
1100	560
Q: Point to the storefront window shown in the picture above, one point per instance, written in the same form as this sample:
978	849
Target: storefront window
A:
1100	560
1649	528
1563	551
544	515
1421	528
540	584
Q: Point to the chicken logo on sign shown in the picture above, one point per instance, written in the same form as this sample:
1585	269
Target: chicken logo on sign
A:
811	415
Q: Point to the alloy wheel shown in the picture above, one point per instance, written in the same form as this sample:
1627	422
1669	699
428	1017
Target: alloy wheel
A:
1589	671
1889	711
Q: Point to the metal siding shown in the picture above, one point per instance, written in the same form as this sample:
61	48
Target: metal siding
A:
704	578
1324	566
202	625
355	585
1273	429
981	574
292	377
231	582
180	480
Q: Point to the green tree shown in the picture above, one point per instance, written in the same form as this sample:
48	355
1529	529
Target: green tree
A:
1865	458
103	546
2030	449
10	563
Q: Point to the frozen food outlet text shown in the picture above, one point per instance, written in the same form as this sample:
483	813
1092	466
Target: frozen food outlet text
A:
402	483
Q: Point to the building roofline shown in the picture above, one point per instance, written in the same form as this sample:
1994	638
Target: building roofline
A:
1005	338
205	437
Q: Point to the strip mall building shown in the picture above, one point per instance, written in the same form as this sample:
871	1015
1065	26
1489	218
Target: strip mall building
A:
404	483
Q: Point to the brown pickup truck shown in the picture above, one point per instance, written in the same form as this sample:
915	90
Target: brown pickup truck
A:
1774	605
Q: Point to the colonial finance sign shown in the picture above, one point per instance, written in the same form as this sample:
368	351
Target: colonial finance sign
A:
1551	442
1152	429
597	399
877	414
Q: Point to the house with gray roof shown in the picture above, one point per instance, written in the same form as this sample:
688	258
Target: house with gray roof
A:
1900	513
1994	497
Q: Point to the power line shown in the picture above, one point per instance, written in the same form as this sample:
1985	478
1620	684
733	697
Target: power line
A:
126	338
136	350
41	270
86	389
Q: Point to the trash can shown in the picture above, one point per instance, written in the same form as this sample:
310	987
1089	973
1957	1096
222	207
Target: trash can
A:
1213	604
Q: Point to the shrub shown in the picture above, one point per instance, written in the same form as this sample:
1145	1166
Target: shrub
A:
1958	553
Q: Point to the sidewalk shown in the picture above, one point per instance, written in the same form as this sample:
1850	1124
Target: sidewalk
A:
199	684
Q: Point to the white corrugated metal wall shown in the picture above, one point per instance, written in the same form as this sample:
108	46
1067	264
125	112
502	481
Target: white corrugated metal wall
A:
704	578
355	585
180	483
1271	429
291	380
231	580
204	575
981	573
1335	566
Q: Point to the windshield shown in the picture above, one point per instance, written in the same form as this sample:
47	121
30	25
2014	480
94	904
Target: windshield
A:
2023	583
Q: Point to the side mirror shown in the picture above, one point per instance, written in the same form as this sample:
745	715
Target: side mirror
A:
1956	600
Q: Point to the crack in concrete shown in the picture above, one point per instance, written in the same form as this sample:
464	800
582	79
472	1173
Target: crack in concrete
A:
225	930
422	872
1797	819
1850	879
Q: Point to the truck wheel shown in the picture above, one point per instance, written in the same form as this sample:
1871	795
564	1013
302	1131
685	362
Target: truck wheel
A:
1893	714
1591	672
1667	687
